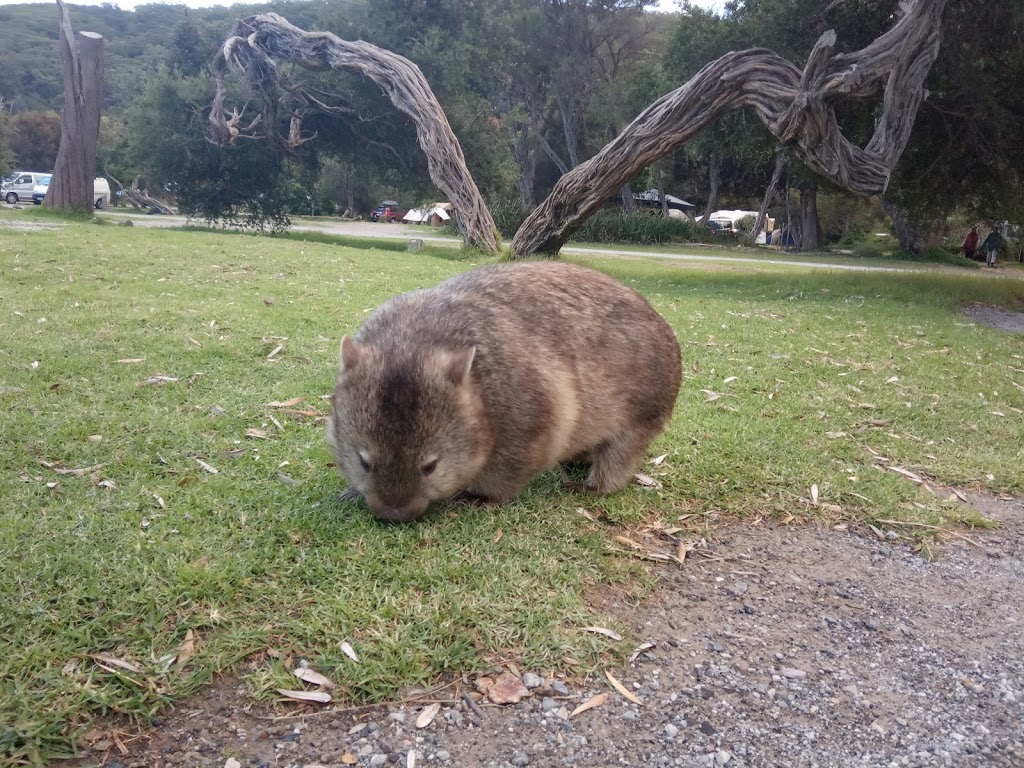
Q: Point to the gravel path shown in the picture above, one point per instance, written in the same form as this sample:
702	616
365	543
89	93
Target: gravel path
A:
793	646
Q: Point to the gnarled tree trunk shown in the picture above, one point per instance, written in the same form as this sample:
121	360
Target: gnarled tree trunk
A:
810	225
258	42
793	104
75	169
781	161
714	181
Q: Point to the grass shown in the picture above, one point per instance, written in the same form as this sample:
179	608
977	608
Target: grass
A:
263	564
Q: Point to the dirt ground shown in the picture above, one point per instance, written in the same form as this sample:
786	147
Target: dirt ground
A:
785	646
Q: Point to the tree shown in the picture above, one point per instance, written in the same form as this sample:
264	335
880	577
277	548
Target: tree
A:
795	105
34	139
250	48
75	168
238	185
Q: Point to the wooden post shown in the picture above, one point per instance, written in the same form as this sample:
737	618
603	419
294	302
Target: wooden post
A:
82	60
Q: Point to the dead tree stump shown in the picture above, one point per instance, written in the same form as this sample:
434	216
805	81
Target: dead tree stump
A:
75	170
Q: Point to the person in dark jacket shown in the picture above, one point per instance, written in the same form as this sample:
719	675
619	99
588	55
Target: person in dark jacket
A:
991	246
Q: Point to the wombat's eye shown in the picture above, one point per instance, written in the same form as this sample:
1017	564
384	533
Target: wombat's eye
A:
364	462
430	466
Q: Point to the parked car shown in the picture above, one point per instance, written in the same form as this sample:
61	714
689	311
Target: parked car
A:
39	190
17	187
388	211
100	190
721	227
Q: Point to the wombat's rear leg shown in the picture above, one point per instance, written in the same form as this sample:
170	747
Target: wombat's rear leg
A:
615	462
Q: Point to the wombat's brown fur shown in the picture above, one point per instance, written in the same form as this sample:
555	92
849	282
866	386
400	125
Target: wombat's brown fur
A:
495	376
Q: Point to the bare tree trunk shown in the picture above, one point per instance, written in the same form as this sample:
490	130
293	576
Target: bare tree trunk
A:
907	233
659	179
75	169
526	162
570	128
795	105
714	180
257	41
781	161
810	226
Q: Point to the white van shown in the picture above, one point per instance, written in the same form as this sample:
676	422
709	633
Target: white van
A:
100	191
17	187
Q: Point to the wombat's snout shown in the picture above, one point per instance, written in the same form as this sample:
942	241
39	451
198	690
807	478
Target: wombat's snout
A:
401	513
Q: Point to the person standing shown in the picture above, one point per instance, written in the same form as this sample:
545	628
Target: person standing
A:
969	247
991	246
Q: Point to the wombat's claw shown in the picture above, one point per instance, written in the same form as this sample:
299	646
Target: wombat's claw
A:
350	494
578	487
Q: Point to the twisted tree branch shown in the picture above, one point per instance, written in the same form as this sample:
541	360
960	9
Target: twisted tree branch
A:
258	42
793	104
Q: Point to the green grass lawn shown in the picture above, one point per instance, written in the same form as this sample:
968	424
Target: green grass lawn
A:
793	379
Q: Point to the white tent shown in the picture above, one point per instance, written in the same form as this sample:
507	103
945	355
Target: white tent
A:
434	214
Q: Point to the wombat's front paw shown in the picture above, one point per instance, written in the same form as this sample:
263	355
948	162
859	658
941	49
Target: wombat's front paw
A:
350	494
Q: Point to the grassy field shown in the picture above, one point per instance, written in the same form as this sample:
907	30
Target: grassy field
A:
169	510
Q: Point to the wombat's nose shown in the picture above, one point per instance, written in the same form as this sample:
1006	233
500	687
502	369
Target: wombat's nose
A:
403	514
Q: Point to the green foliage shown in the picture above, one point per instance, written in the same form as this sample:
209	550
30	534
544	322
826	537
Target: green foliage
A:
7	159
35	139
240	185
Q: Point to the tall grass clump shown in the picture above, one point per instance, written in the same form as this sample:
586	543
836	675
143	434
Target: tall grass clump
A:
638	229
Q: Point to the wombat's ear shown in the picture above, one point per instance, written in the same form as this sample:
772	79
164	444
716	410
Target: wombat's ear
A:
459	364
350	353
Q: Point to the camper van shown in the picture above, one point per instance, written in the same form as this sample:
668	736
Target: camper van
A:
100	191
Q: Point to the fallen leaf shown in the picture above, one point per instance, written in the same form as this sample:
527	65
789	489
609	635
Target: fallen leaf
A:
275	351
640	649
621	688
880	422
570	661
629	542
286	479
188	647
814	495
258	434
192	341
312	677
960	495
711	395
207	467
835	435
507	689
593	701
128	360
235	453
410	759
349	651
498	535
730	379
658	460
157	380
426	717
160	502
107	661
907	473
602	631
348	759
286	403
646	481
314	697
95	438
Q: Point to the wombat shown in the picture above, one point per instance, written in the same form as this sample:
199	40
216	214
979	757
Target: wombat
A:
484	382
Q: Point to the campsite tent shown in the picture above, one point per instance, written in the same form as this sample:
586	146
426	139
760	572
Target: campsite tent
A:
435	214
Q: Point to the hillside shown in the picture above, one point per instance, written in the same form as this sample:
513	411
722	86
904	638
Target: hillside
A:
138	43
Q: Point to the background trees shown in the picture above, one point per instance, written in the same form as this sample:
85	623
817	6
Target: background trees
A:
532	88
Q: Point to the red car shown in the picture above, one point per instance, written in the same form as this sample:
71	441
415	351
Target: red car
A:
389	211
